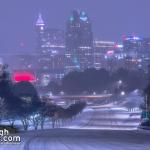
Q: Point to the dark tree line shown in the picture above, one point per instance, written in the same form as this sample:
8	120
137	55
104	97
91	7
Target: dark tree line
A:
92	80
20	101
60	115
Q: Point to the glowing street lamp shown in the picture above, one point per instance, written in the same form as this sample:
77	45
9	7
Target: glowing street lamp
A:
122	93
62	93
94	93
120	81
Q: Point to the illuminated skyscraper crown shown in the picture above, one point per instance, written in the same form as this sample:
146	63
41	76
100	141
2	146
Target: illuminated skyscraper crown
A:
79	16
40	21
83	16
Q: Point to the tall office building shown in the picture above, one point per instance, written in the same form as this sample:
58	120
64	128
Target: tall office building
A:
146	46
132	46
50	50
100	50
145	53
41	34
79	42
108	54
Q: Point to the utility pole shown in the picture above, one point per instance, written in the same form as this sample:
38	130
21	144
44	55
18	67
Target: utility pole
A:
146	107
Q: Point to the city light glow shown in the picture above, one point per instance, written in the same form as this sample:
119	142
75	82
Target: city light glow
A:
24	76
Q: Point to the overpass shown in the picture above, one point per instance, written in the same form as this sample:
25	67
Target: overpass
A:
81	97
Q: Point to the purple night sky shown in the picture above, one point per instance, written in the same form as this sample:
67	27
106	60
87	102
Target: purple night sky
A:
111	19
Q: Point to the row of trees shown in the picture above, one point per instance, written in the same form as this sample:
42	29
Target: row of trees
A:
20	101
57	115
92	80
61	115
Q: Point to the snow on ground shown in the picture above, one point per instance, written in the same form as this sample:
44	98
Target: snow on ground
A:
132	100
119	132
66	139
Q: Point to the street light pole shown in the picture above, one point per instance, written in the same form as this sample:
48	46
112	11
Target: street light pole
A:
146	107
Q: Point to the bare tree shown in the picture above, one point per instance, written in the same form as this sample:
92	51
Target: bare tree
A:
35	120
3	111
25	123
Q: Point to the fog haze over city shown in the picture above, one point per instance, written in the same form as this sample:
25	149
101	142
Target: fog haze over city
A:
74	74
110	19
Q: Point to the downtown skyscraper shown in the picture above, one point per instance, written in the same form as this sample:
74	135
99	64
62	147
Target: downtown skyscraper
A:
50	50
79	42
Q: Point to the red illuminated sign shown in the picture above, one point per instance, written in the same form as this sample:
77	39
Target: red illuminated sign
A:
24	76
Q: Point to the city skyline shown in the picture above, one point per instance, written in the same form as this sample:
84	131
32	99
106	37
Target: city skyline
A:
109	20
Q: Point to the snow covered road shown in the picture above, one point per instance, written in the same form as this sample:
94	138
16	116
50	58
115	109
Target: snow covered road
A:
79	134
68	139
